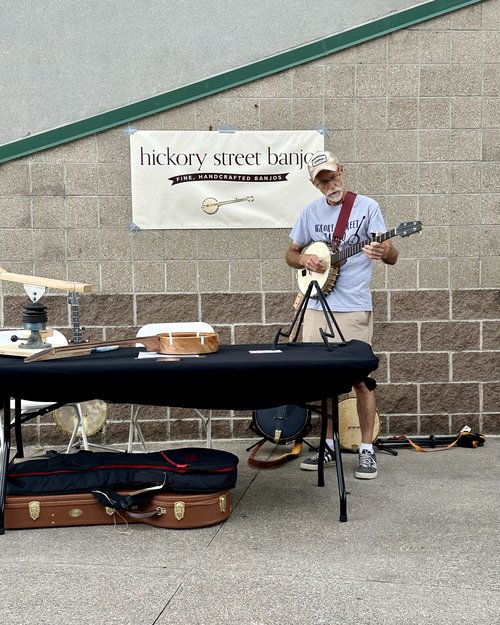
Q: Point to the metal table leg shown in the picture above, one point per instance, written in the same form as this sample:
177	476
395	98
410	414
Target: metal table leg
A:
4	458
338	455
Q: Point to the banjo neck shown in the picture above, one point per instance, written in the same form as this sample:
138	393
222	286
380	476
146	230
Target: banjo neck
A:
352	250
333	259
74	300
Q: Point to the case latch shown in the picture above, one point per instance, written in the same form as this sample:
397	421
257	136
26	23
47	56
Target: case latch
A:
179	508
222	503
34	509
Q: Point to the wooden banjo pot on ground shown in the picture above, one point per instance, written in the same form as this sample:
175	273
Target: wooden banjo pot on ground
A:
349	431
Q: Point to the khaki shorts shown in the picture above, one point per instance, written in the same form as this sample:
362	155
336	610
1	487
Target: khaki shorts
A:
354	325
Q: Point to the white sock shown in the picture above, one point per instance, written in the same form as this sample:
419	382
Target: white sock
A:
365	446
329	442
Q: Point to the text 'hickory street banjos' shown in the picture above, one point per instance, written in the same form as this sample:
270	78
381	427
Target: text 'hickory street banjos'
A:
334	260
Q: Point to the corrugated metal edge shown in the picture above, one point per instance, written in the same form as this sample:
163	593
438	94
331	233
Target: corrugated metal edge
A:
233	78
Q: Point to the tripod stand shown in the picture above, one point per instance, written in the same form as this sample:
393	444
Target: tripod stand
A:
298	320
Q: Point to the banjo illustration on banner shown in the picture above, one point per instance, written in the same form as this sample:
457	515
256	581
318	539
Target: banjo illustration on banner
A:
333	261
210	205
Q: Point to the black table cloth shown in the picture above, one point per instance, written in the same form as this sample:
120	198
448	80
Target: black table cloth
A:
237	377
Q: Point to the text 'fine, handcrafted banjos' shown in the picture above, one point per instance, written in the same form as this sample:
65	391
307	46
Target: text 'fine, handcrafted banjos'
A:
334	260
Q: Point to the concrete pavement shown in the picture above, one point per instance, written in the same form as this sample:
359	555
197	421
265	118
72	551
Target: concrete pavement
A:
421	546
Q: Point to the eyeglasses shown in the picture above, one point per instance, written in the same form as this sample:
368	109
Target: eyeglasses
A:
323	184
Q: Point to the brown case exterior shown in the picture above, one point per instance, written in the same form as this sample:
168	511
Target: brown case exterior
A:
167	510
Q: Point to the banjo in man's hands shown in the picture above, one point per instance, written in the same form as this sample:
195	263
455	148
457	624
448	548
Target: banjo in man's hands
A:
334	260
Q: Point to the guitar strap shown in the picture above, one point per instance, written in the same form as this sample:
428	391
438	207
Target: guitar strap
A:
465	438
341	224
275	462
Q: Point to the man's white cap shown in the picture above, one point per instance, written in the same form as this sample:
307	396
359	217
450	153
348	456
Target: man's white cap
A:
321	161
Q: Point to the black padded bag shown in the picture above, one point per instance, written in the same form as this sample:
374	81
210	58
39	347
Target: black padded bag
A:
184	470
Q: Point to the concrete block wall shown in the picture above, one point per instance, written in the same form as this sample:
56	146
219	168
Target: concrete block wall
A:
415	118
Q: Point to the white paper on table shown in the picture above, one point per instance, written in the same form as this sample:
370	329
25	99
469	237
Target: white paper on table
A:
141	355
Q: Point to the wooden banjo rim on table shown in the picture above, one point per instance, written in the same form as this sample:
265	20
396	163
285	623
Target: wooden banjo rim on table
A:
188	342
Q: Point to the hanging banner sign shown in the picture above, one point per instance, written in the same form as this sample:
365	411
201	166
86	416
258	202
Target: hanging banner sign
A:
189	180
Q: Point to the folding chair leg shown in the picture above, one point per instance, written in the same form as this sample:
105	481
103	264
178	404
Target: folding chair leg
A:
139	435
207	424
135	432
78	424
131	431
208	429
79	412
71	440
73	435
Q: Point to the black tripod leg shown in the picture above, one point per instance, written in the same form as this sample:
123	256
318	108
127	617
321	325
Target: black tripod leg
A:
380	446
322	443
298	319
255	444
329	316
311	447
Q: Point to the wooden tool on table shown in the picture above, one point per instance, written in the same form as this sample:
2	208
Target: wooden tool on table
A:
49	283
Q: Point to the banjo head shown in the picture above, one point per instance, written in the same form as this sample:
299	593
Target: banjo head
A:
210	205
327	279
349	432
94	416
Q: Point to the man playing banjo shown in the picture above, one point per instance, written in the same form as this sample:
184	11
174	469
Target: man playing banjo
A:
349	296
